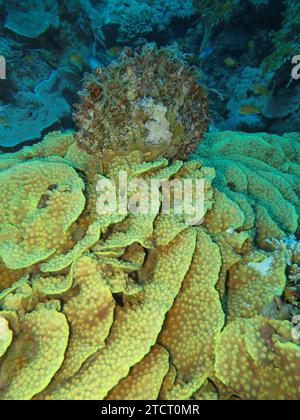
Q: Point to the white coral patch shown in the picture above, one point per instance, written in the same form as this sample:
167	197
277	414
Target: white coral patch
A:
231	231
158	126
264	267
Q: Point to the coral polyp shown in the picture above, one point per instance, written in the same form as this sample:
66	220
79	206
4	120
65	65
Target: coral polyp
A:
150	101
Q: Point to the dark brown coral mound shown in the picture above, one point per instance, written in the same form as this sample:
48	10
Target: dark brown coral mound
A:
149	101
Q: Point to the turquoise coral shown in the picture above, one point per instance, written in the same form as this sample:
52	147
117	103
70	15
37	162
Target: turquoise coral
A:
260	173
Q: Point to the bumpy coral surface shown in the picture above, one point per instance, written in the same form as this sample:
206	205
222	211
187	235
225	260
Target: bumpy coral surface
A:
143	306
260	173
150	98
257	359
42	202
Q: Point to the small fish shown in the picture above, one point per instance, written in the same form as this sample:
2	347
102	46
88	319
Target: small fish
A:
76	60
251	45
193	59
29	59
250	110
230	62
260	90
115	51
206	52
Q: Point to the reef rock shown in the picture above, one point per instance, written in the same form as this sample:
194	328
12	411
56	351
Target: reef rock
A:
151	99
31	18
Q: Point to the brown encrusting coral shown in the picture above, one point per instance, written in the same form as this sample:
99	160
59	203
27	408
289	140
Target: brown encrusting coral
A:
148	100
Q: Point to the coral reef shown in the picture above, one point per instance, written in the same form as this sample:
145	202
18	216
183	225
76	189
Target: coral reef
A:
151	98
247	64
134	306
99	302
127	21
285	41
33	112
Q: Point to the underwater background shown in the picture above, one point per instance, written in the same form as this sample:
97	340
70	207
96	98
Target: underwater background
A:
118	305
242	50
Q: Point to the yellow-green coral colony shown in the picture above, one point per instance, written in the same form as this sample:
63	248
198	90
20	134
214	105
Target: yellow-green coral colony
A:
260	172
126	306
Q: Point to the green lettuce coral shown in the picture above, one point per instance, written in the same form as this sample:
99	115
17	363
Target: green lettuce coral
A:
125	306
43	201
257	359
260	173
